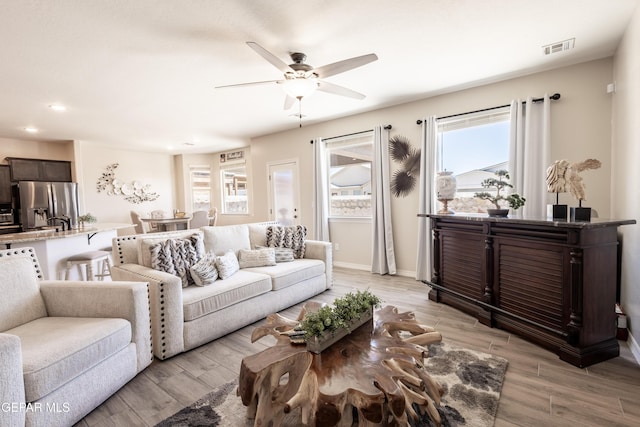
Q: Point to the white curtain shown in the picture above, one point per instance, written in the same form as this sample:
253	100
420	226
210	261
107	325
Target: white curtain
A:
383	260
529	154
320	191
426	199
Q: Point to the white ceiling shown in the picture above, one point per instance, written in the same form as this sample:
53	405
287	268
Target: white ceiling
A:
141	73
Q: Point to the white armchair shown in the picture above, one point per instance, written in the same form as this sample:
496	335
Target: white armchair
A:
65	346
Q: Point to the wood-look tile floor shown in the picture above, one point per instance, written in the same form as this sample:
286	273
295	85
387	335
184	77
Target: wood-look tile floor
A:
539	388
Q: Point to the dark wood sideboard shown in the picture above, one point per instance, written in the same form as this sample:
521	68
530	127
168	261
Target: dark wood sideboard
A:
552	282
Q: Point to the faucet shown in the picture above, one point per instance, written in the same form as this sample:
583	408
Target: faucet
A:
65	220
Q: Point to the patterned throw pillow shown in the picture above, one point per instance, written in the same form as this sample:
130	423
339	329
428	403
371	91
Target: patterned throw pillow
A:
282	254
176	256
227	265
204	272
292	237
256	258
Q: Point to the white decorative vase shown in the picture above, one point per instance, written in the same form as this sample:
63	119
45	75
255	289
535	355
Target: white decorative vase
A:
445	190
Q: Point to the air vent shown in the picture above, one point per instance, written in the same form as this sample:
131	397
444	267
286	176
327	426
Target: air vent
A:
559	46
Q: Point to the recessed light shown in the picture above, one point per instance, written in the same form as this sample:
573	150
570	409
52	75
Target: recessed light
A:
58	107
31	129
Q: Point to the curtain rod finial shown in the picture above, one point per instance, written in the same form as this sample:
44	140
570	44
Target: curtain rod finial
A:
418	122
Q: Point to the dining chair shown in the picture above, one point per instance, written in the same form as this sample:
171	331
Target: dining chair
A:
199	219
140	225
213	216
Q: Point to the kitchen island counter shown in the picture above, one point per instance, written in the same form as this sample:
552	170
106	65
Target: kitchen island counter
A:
54	247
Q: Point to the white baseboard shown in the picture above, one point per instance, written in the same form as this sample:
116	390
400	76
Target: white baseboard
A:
634	347
364	267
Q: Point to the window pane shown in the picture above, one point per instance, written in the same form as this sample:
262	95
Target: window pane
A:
350	176
235	198
473	149
201	188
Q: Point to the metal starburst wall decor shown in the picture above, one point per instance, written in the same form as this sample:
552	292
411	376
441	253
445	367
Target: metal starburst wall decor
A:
133	192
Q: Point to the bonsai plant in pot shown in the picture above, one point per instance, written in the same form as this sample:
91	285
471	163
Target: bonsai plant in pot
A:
500	183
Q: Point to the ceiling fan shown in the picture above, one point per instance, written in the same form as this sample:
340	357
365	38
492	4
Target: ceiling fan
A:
301	79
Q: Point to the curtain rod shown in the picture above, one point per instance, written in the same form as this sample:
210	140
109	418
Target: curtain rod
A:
387	127
553	97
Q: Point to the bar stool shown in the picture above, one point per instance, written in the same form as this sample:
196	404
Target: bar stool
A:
87	259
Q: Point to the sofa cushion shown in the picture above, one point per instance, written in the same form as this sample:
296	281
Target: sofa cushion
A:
258	234
226	238
256	257
21	301
204	272
289	273
176	256
200	301
227	265
55	350
292	237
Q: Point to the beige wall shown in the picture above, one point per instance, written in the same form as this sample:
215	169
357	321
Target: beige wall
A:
580	129
154	169
625	202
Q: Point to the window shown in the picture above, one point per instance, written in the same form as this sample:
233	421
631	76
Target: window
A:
349	162
235	197
200	188
473	146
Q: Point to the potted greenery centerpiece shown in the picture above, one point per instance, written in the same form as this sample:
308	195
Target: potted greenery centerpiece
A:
87	218
500	183
331	323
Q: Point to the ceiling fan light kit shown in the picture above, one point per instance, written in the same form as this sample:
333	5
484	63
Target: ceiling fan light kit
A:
301	79
300	87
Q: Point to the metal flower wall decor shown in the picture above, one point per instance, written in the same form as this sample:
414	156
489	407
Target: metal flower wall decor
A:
134	192
404	179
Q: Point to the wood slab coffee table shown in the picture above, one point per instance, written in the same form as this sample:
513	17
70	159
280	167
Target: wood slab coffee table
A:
373	376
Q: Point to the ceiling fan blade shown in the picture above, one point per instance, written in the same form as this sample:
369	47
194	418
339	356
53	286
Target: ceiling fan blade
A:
344	65
277	62
288	102
250	84
339	90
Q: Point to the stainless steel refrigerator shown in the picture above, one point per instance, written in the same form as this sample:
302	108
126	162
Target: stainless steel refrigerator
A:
48	203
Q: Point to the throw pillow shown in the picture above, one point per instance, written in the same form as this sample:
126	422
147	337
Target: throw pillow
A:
204	272
292	237
227	265
282	254
257	257
176	256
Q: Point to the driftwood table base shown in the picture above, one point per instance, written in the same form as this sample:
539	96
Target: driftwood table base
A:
373	376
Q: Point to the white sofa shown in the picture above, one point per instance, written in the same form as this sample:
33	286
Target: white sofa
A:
185	318
65	346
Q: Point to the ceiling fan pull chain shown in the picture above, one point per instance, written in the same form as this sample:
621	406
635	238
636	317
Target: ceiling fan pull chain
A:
300	110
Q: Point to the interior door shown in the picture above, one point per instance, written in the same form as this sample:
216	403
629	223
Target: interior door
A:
284	197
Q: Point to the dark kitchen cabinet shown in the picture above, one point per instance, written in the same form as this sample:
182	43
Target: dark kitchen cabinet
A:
5	184
39	170
551	282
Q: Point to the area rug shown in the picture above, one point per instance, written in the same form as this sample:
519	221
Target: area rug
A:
472	381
